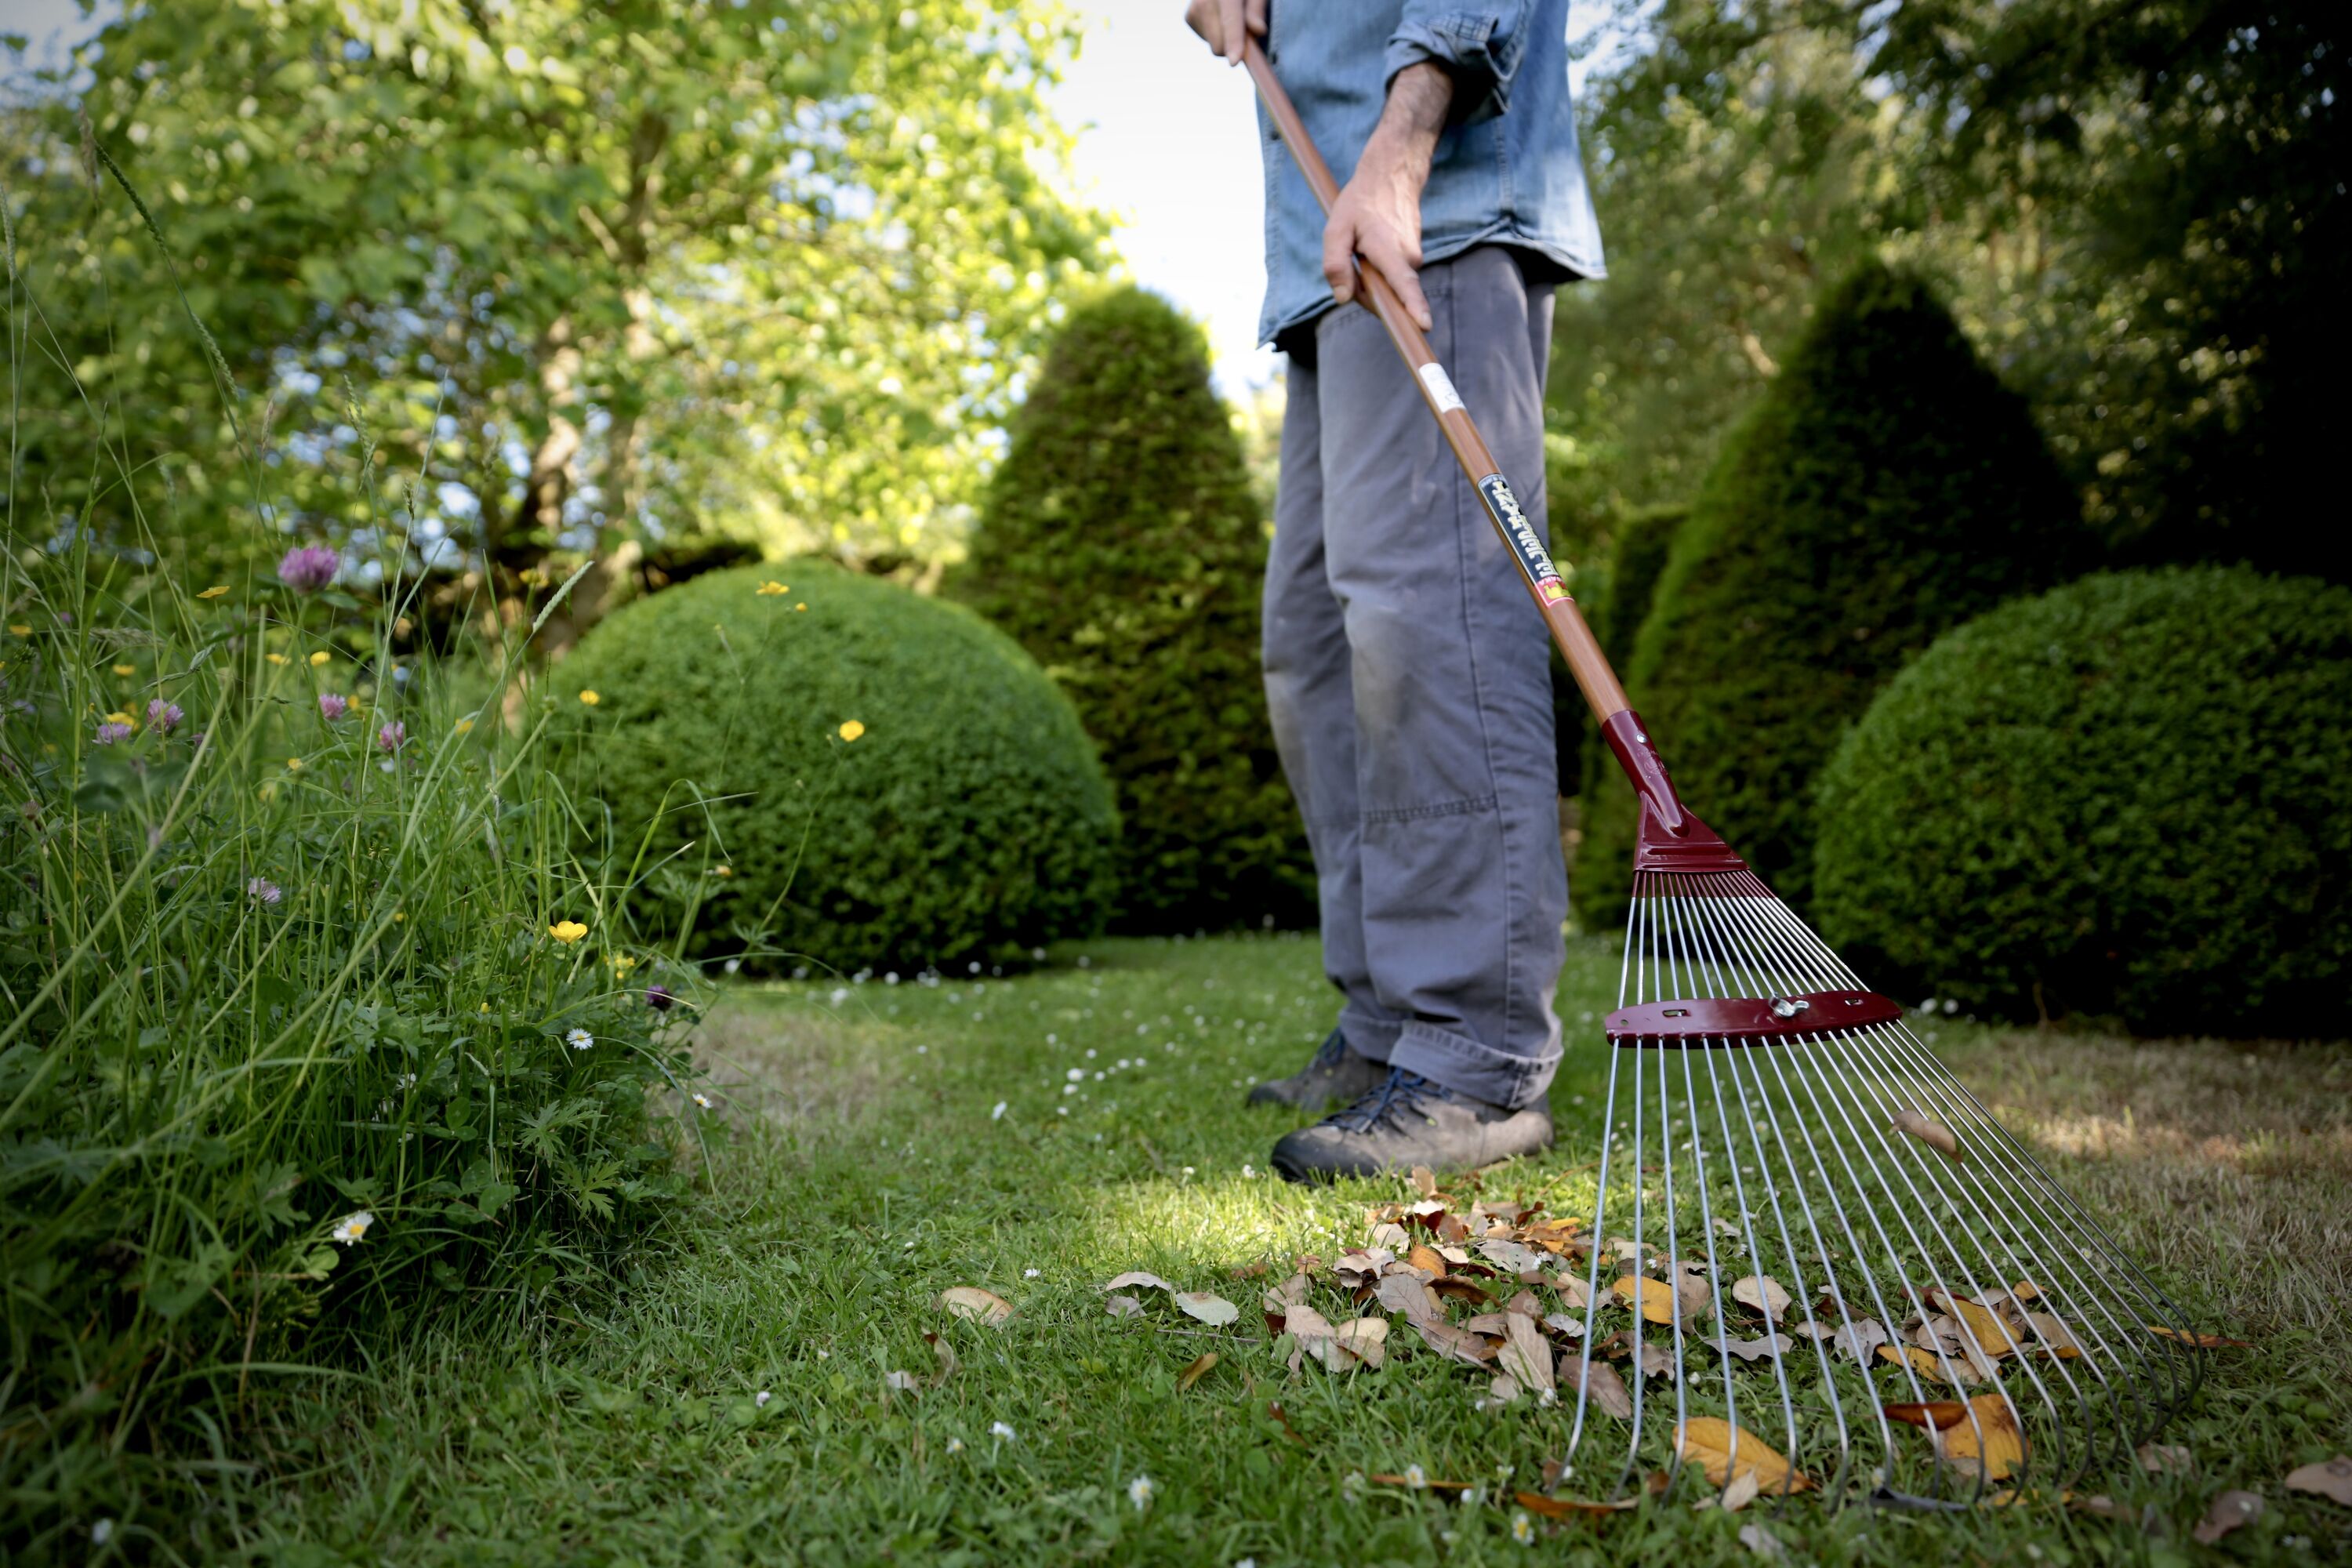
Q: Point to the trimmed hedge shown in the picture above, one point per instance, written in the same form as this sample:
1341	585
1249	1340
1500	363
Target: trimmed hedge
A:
969	820
1121	546
2128	798
1885	487
1614	609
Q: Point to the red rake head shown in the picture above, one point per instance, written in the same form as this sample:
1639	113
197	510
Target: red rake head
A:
1671	839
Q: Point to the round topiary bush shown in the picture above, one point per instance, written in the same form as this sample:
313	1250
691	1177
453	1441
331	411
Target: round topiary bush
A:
2131	798
1885	487
963	814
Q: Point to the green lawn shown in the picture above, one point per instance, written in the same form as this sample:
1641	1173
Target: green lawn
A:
868	1169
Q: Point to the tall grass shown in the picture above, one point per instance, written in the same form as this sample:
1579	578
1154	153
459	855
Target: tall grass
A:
317	1022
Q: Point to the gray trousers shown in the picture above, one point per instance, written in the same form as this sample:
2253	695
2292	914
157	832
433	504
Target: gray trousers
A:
1406	670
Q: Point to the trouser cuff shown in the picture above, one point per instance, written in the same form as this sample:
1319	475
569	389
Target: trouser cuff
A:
1372	1035
1465	1066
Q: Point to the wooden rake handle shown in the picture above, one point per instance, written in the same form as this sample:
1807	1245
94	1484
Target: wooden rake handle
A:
1577	644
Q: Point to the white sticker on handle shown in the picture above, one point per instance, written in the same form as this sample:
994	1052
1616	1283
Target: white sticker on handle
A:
1441	390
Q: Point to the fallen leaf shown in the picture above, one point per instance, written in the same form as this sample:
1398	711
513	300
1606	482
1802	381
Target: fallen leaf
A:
2199	1342
2166	1458
1740	1492
1763	1293
1725	1228
1859	1338
1450	1228
1526	1354
2053	1335
2026	1290
1509	1256
1390	1234
1945	1334
1455	1289
1562	1324
1425	1181
1571	1287
2328	1477
901	1383
1406	1294
1691	1292
1366	1339
1656	1362
1723	1451
1987	1439
981	1306
1980	1323
1656	1298
1426	1259
1761	1541
1599	1381
1934	1415
1931	1132
1921	1361
1196	1372
1138	1279
1569	1508
2099	1503
1282	1419
1123	1307
1526	1304
2231	1509
947	1358
1418	1483
1490	1323
1504	1388
1448	1340
1210	1308
1752	1350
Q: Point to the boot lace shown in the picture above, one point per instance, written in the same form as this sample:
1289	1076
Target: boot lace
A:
1400	1093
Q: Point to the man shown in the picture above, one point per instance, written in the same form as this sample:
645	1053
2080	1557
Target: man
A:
1405	667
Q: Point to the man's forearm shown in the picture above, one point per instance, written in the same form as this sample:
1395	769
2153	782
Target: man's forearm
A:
1406	137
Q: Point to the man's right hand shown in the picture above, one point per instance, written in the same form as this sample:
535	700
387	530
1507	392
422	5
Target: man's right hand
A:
1224	24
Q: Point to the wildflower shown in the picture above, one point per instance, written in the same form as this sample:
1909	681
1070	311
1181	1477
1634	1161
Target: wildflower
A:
102	1533
1249	1173
1075	1074
1416	1477
1138	1492
213	591
590	698
660	998
772	589
579	1040
398	916
164	716
567	932
997	1114
293	764
109	734
126	669
393	736
275	657
1523	1529
18	629
703	1100
320	658
306	568
1031	1273
332	707
1351	1486
405	1081
465	726
623	964
352	1227
759	1400
851	728
262	891
955	1445
722	870
1002	1431
121	718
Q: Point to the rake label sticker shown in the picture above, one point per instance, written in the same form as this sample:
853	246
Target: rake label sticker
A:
1534	559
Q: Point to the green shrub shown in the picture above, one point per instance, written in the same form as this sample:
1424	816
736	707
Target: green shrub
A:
1885	487
1615	603
2130	797
969	819
1120	545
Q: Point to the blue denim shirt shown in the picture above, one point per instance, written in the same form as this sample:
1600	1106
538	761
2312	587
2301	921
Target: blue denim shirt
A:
1507	170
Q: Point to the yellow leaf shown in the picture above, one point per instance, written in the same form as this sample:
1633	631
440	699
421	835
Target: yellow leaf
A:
1196	1372
1427	1259
1986	1437
2202	1341
1924	1363
1980	1324
1723	1451
1656	1296
981	1306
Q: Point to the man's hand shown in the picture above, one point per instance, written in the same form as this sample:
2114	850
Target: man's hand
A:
1225	23
1378	214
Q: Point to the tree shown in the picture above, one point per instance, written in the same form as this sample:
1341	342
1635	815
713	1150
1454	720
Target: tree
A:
1122	547
584	274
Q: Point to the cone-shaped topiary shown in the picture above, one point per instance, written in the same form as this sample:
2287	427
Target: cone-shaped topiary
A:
1885	487
1615	604
2130	797
960	816
1120	545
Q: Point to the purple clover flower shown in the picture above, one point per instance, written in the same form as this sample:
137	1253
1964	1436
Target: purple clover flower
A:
164	716
660	998
332	707
109	734
393	736
306	568
262	891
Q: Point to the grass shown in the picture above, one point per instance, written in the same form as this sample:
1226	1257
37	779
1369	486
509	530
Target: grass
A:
870	1170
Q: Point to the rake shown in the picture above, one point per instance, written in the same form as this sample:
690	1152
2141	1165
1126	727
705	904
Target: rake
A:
1905	1307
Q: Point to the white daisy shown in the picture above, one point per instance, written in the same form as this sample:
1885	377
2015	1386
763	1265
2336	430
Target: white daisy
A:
955	1445
1523	1529
1001	1430
1138	1492
579	1040
1031	1273
759	1400
352	1227
703	1100
1416	1477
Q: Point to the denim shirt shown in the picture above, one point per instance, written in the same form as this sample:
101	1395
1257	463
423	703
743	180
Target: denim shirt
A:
1507	170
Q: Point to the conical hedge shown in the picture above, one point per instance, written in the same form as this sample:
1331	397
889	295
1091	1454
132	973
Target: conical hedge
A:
1885	487
1121	546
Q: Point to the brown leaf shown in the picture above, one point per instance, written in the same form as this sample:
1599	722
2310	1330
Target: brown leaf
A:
1211	1310
1366	1339
1931	1132
2026	1290
1248	1270
1123	1307
2229	1510
1526	1354
1502	1388
1656	1362
1525	1303
1921	1361
1453	1288
2199	1342
2053	1335
1691	1292
1563	1325
1509	1256
981	1306
1934	1416
1425	1181
1282	1420
1450	1228
1859	1338
1405	1293
901	1383
947	1358
1987	1439
1763	1293
1196	1372
1751	1350
1426	1259
1723	1450
1571	1287
1740	1492
1448	1340
1655	1296
1138	1279
2328	1477
1976	1321
2167	1458
1601	1382
1390	1234
1569	1508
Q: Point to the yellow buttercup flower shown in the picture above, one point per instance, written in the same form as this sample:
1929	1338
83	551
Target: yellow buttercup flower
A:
623	964
293	764
20	629
126	669
851	728
590	698
722	870
121	718
465	726
213	592
567	932
800	607
321	657
772	588
275	657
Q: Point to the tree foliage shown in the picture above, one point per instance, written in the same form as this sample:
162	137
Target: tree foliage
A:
582	273
1121	546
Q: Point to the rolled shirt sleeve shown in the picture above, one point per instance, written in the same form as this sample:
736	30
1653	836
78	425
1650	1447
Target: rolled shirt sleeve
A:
1479	46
